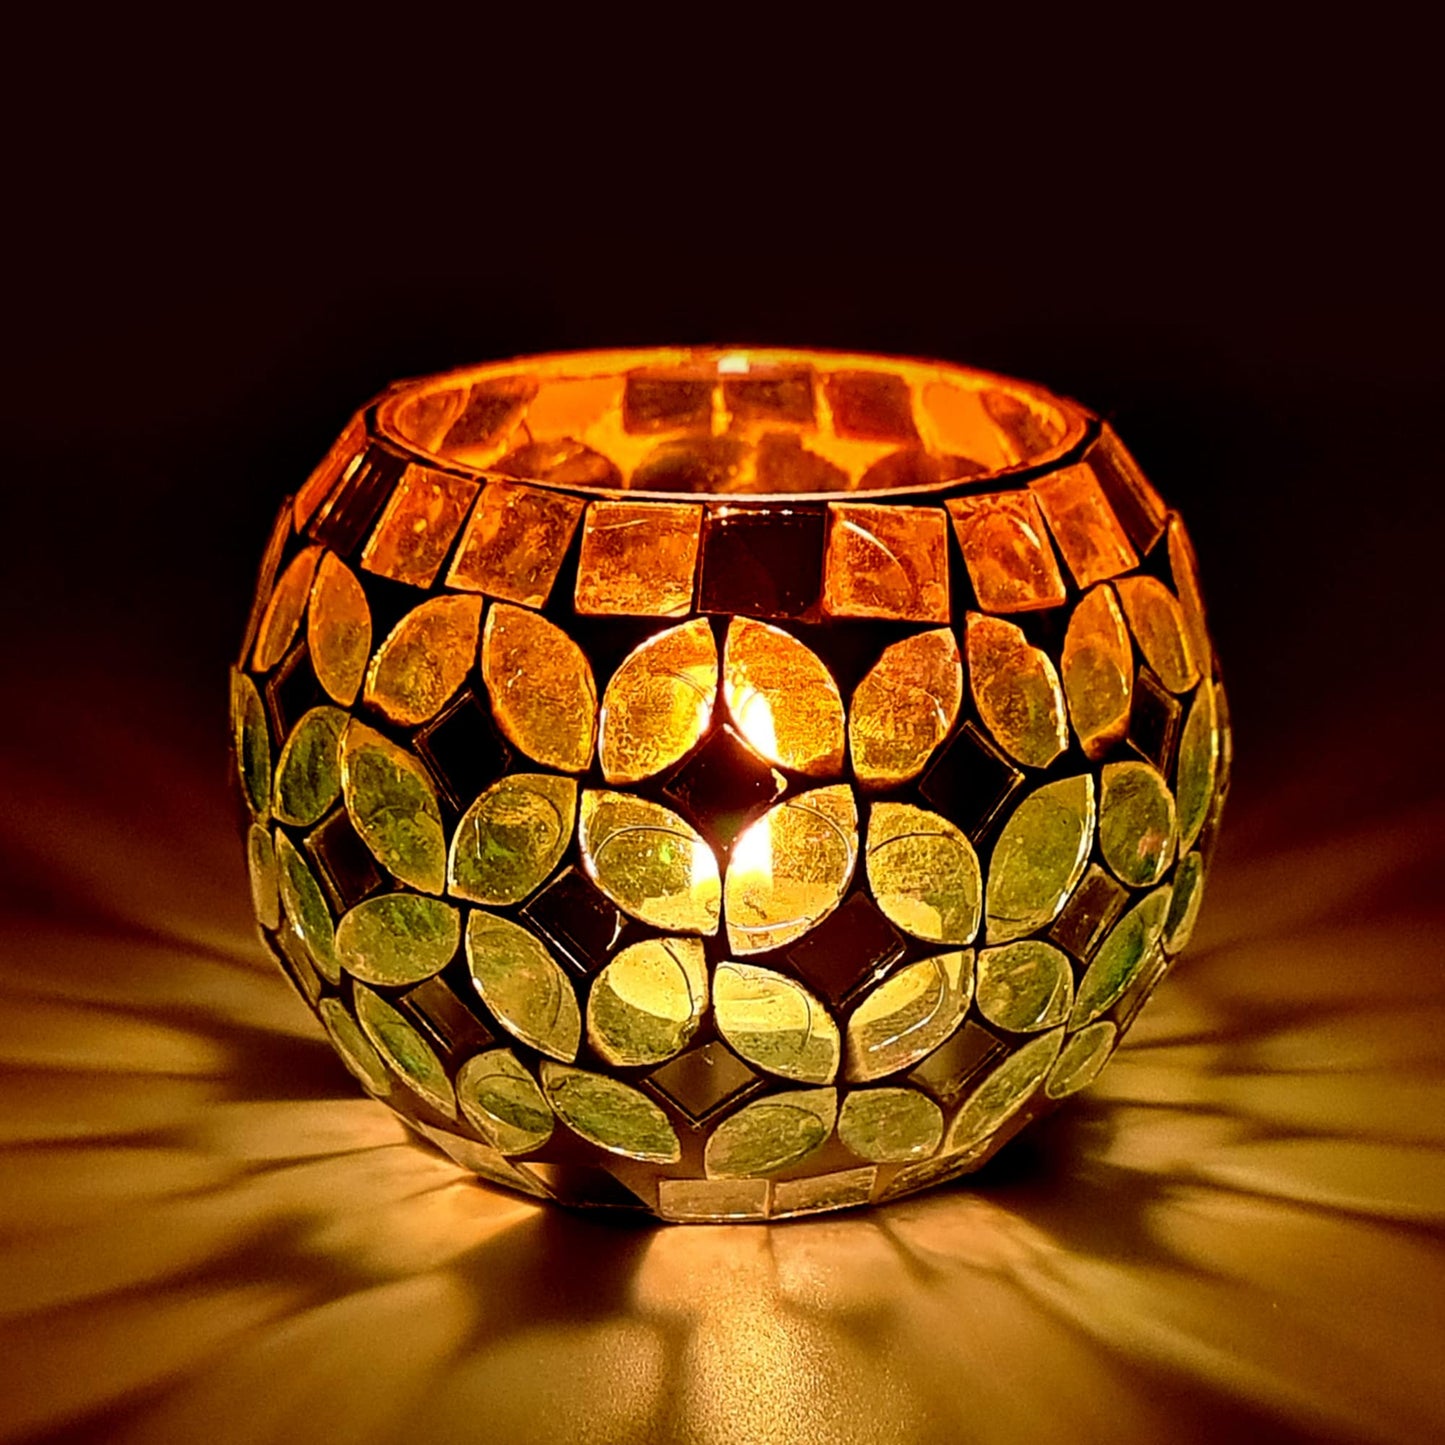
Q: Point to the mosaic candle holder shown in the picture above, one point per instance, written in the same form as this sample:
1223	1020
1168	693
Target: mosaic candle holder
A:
729	784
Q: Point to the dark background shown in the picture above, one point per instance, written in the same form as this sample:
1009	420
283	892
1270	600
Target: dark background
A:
1223	238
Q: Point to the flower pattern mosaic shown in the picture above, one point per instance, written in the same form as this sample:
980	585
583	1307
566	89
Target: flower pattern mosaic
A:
654	822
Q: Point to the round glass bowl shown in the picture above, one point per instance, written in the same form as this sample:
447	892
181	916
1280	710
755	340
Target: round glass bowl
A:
728	784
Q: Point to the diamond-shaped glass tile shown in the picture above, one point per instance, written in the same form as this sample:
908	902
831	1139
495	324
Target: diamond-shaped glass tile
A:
344	861
464	750
581	924
286	948
292	691
446	1021
723	785
703	1080
851	948
1092	908
1154	721
948	1070
586	1184
762	562
971	781
357	497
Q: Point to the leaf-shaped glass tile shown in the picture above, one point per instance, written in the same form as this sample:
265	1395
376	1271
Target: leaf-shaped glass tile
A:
1158	623
543	694
1198	764
306	911
404	1051
924	873
789	869
511	838
1039	857
1004	1092
424	659
1184	905
770	1134
659	703
646	1005
774	1022
1024	986
502	1102
353	1047
649	862
1016	691
1184	568
393	806
338	630
523	985
905	706
890	1125
610	1114
1081	1060
398	938
308	775
1098	670
261	869
782	699
1136	823
909	1015
283	611
1129	945
252	743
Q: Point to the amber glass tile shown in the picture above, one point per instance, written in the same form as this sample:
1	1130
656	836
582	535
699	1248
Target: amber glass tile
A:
657	401
292	691
343	860
564	462
638	558
464	749
761	562
318	485
492	409
723	785
703	1080
907	468
692	464
416	530
352	505
1007	552
1094	545
850	949
771	394
1030	430
971	781
1154	721
284	609
514	543
582	925
445	1020
424	418
783	464
1136	504
949	1069
889	562
1096	902
871	406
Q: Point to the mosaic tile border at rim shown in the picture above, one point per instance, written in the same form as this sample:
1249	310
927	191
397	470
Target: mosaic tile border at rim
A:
726	784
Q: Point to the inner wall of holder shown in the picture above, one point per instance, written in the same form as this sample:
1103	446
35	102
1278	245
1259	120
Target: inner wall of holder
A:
731	422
